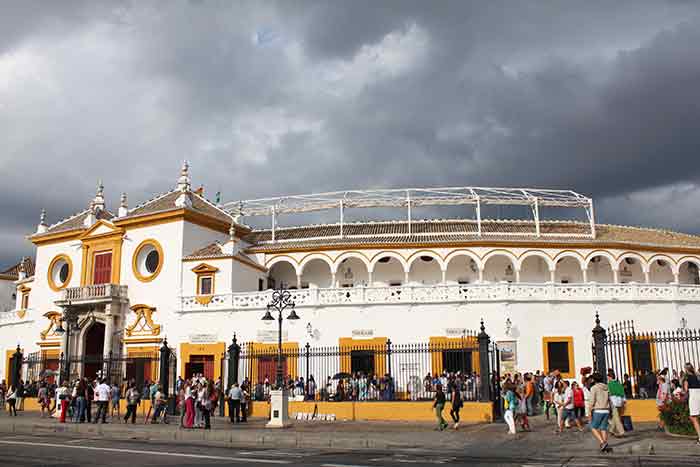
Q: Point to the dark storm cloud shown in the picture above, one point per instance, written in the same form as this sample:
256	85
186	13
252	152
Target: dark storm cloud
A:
296	97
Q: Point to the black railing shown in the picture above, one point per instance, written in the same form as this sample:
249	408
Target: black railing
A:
369	371
638	357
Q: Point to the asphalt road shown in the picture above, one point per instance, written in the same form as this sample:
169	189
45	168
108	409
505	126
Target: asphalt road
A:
52	451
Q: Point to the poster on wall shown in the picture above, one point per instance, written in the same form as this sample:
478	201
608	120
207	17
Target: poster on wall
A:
509	356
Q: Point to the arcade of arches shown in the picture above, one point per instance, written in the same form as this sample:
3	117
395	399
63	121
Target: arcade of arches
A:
427	269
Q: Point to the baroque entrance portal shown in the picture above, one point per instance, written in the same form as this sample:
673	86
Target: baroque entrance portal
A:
93	349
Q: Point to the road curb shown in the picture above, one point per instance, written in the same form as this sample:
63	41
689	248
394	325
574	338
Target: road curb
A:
220	438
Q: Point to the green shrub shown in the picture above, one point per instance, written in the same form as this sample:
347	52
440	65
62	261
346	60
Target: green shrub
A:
675	415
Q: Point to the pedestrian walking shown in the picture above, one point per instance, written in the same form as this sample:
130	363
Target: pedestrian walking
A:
12	401
115	397
510	405
133	397
617	405
579	404
456	401
63	397
234	403
559	400
43	399
102	392
663	394
600	411
439	406
691	387
188	422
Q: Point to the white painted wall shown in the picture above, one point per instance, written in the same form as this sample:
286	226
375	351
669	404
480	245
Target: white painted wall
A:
7	295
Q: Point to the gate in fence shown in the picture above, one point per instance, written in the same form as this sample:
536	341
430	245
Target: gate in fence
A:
641	355
139	367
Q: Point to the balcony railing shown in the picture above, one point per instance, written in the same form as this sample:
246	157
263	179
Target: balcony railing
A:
93	294
495	292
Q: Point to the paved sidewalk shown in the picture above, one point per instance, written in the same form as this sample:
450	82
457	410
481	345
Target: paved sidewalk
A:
482	439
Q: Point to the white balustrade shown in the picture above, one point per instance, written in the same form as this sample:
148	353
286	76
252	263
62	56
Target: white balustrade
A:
94	292
462	293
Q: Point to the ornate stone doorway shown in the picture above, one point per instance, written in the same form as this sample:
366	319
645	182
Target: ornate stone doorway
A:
93	349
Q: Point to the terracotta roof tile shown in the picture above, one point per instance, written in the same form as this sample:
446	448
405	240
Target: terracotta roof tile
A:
451	231
166	201
76	221
13	272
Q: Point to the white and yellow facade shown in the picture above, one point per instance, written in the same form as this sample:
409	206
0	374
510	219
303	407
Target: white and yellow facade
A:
181	267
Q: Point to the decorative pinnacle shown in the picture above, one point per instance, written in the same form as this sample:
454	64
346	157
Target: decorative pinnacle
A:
123	201
482	328
232	231
42	218
183	183
100	188
597	319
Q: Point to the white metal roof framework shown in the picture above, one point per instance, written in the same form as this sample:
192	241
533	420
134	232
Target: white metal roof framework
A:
416	197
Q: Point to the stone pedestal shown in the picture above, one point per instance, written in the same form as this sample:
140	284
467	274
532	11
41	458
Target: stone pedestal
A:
279	417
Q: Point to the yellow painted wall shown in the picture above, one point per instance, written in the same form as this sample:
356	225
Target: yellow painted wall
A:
216	350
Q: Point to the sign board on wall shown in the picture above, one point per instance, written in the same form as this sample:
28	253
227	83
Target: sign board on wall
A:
270	336
203	338
509	356
455	332
362	333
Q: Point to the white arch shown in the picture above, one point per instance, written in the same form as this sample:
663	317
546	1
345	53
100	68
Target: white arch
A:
540	254
314	256
686	259
570	254
630	254
392	254
283	259
604	254
671	262
506	253
350	254
467	253
432	254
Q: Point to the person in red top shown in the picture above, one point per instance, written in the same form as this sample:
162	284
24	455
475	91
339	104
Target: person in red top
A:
579	404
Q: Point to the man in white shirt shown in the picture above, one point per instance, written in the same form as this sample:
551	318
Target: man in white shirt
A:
234	403
102	392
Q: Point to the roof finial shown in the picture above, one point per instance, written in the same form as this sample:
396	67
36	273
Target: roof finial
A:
43	226
183	183
232	232
123	206
98	204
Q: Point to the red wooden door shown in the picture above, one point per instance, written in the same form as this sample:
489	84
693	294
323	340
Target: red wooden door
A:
102	269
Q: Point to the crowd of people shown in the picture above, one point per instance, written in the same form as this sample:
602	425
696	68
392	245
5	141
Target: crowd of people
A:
597	400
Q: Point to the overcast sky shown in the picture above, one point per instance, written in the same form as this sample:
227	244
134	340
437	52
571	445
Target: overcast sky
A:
268	98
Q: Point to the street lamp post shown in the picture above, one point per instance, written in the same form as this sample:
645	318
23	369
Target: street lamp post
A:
70	319
281	300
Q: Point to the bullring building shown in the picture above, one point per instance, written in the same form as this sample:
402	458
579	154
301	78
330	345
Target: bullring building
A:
198	271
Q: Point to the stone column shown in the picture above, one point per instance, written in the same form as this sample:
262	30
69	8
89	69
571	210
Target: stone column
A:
585	275
333	285
647	277
298	281
616	276
444	276
552	275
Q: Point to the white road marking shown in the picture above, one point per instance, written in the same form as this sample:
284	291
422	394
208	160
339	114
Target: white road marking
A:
270	453
151	453
343	465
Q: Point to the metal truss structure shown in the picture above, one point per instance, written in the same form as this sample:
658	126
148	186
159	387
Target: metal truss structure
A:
409	198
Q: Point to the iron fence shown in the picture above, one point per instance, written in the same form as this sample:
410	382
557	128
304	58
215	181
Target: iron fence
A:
368	371
637	358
